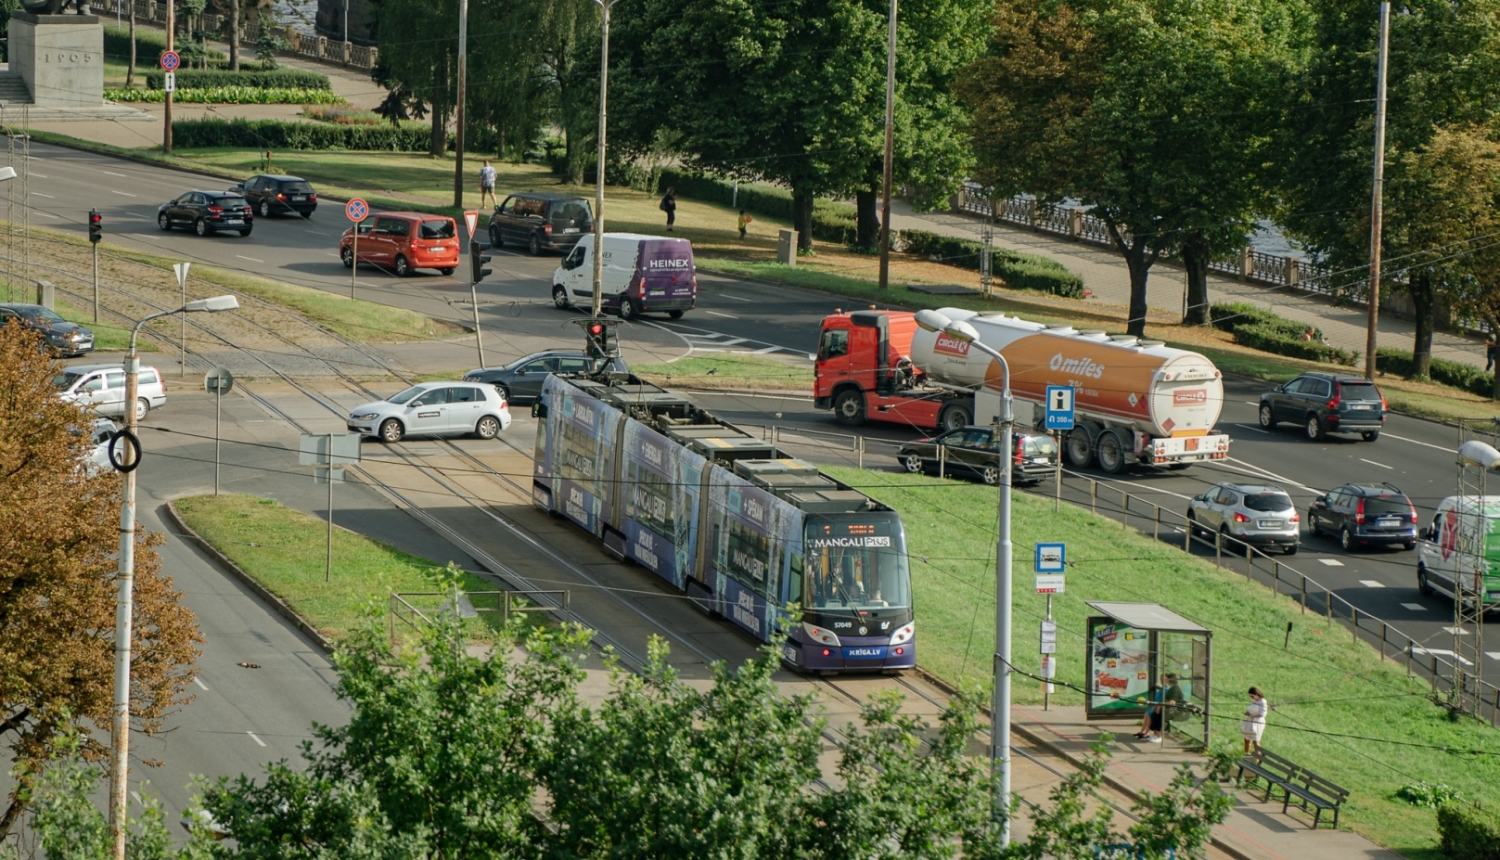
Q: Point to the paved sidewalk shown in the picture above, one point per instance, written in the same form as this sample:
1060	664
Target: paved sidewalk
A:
1104	272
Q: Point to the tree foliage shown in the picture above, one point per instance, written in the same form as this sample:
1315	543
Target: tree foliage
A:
59	529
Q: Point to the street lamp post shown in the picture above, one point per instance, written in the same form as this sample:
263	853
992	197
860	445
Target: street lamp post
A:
124	605
1000	769
598	300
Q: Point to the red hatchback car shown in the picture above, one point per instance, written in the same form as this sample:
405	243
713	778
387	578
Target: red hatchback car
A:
403	241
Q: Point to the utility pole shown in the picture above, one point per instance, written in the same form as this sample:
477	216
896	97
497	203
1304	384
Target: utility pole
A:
1377	192
597	305
463	75
166	128
890	131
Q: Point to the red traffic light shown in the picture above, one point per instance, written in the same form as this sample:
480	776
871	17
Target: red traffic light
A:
95	217
596	328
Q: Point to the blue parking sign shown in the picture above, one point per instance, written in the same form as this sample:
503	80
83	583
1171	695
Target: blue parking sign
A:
1059	407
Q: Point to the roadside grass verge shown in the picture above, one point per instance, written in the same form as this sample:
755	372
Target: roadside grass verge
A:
284	549
106	336
730	372
1381	729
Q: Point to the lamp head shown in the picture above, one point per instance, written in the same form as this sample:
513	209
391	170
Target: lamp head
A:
961	330
213	305
930	320
7	173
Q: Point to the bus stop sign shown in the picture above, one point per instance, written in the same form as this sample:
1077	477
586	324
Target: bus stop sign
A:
1059	407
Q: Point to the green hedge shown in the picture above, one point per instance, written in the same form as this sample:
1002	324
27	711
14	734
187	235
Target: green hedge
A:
278	134
1018	271
202	79
230	96
1468	833
1231	316
1466	376
1258	328
831	222
149	46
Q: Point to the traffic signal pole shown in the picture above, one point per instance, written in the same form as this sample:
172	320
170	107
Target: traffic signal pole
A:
477	271
96	232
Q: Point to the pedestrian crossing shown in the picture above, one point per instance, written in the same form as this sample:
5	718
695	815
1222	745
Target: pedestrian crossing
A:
718	342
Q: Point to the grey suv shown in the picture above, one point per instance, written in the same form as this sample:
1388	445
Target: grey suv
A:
1365	515
541	221
1324	403
1247	515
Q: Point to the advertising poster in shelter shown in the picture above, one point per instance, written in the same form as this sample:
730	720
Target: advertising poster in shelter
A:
1119	666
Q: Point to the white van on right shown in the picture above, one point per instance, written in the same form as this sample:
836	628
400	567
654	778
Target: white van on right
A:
1463	541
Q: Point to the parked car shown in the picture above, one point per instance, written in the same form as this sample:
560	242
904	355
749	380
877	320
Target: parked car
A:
275	194
1365	515
1324	403
971	451
640	274
1464	537
101	387
403	242
100	431
541	221
1247	515
207	212
59	336
434	409
521	380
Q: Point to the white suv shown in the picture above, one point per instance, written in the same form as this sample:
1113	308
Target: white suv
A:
101	388
434	409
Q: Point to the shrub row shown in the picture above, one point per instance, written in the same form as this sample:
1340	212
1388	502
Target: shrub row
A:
1018	271
281	79
230	96
1465	376
1258	328
278	134
149	45
1468	833
1231	316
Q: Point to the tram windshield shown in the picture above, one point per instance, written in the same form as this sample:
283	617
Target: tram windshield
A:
856	565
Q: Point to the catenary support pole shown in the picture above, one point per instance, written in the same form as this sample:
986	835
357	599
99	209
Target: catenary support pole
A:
119	794
166	107
597	304
890	124
1377	192
463	81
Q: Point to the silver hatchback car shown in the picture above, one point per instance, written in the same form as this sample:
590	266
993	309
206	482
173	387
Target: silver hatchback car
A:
1254	514
434	409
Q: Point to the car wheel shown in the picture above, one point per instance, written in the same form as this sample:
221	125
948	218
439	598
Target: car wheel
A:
913	463
991	475
676	315
534	246
849	407
954	416
504	393
246	231
201	227
347	255
391	431
627	309
1312	524
142	406
496	242
265	209
1267	419
1291	550
163	221
1370	435
1315	428
1423	585
487	428
1346	540
447	271
403	268
1111	453
560	297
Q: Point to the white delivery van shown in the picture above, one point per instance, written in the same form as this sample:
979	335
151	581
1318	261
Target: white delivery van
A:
641	274
1463	540
101	388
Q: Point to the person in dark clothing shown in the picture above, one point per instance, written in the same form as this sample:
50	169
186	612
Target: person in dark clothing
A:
669	206
1489	353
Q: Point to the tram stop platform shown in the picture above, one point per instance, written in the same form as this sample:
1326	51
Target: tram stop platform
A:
1255	830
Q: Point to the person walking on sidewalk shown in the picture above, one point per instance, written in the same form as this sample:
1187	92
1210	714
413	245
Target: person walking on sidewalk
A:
1489	353
487	177
745	220
1254	723
669	206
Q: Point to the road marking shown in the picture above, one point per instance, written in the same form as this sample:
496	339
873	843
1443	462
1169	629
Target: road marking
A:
736	298
1440	652
1418	442
121	193
1251	403
251	259
199	682
1414	607
1266	473
256	739
768	350
1331	562
1373	463
112	173
1455	631
1370	583
717	314
40	194
39	176
137	796
1493	655
1256	429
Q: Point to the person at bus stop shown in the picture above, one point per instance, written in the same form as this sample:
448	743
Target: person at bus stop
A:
1254	723
1151	720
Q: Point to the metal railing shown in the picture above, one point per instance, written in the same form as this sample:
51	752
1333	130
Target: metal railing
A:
403	610
307	45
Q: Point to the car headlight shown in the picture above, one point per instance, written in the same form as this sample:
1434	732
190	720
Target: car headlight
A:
904	634
819	634
366	416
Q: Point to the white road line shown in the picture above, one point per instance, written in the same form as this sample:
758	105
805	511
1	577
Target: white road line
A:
767	351
256	739
717	314
199	682
137	796
40	194
1370	583
1418	442
1493	655
1331	562
121	193
736	298
1256	429
39	176
1266	473
112	173
47	214
1441	652
1414	607
1373	463
251	259
1455	631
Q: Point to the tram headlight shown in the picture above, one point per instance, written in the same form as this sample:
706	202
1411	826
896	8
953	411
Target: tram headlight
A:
820	634
904	634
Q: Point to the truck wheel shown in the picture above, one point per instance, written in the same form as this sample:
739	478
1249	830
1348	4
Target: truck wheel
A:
627	309
1080	448
955	416
1111	451
849	407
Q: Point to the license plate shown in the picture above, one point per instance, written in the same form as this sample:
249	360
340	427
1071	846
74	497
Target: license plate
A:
1269	524
234	221
300	198
1388	524
1042	460
571	230
874	652
1361	406
436	250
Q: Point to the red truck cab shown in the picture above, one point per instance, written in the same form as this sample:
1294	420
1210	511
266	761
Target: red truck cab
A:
864	371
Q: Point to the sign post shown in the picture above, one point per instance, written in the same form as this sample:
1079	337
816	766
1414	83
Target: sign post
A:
471	220
1051	561
329	453
357	210
1059	420
181	271
217	381
169	63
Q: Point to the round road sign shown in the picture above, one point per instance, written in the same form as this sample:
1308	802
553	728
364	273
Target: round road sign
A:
170	61
357	210
218	380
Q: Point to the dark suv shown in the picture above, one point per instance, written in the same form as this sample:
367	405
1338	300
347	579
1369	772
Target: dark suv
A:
273	194
971	450
1324	403
59	336
1365	515
541	221
522	379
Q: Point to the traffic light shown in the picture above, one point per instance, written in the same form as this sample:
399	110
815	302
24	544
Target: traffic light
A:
96	228
596	340
477	271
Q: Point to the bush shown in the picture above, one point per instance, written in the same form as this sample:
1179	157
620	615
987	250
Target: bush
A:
1018	271
278	134
230	96
281	79
1268	337
1430	795
149	45
1466	376
1231	316
1468	833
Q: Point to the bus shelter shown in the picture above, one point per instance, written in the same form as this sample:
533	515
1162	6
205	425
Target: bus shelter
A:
1131	647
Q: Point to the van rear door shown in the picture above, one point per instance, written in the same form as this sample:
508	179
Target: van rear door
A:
666	267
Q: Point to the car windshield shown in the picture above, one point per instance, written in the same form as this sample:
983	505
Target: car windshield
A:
1377	506
1267	502
227	201
400	399
437	230
45	314
65	380
1358	391
1039	446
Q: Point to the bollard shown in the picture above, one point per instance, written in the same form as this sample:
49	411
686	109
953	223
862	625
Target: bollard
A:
1354	622
1275	577
1408	658
1218	548
1093	495
1156	524
1187	536
1304	593
1327	607
1382	641
1124	509
942	461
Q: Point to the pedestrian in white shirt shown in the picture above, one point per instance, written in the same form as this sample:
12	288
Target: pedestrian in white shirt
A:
487	178
1254	723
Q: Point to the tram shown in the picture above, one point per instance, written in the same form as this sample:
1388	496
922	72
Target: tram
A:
723	516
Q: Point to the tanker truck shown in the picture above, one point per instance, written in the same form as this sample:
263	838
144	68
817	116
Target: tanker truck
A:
1135	401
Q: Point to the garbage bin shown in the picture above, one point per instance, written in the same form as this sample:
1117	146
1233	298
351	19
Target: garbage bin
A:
786	248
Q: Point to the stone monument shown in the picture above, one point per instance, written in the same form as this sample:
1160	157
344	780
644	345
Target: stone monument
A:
59	57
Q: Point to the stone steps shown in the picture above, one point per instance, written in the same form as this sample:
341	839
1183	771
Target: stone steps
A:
13	90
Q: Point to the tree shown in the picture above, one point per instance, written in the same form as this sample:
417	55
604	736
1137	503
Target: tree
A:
1149	112
418	55
59	529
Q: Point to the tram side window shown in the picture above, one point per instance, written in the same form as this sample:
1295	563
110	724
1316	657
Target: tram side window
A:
577	460
651	501
749	557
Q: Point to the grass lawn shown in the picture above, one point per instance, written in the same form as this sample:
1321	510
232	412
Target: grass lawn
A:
730	371
1323	682
285	550
106	336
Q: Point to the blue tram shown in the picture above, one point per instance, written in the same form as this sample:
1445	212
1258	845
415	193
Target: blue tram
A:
726	518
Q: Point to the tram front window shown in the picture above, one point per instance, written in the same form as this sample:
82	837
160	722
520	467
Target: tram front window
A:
857	568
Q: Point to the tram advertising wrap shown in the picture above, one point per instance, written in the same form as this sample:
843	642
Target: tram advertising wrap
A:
745	536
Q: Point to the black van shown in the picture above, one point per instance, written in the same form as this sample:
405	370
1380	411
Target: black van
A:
541	221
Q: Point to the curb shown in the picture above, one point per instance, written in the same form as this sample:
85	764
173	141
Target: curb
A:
277	605
763	392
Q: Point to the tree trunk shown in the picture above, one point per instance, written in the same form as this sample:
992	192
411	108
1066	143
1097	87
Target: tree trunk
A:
867	220
1139	260
1424	308
437	145
234	35
802	210
130	72
1195	260
1495	383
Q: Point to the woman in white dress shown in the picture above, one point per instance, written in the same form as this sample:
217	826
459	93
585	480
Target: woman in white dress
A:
1254	723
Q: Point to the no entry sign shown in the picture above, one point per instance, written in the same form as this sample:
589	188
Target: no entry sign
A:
170	61
357	210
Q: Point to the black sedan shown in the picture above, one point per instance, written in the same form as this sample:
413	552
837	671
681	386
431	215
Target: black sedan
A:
207	212
275	194
522	379
60	336
971	451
